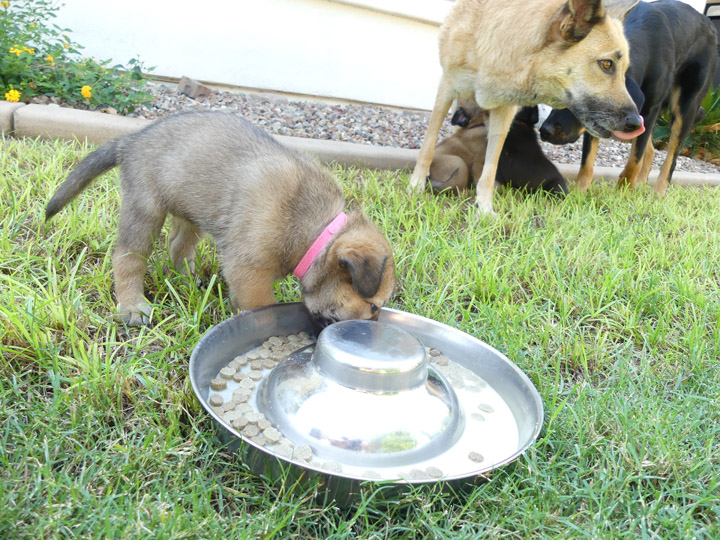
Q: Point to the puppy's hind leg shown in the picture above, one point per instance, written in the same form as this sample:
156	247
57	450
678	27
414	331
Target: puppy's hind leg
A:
184	236
498	126
443	100
137	230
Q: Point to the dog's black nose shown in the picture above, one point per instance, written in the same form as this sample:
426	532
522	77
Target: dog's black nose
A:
633	122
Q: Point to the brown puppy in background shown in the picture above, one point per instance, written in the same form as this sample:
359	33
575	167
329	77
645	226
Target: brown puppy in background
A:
264	205
507	53
522	165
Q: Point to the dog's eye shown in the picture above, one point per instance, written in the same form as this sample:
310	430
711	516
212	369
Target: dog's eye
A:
608	66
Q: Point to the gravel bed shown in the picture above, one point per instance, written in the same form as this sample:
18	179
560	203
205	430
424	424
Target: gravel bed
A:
364	124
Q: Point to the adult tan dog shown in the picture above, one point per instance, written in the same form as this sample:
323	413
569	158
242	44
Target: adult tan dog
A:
270	210
506	53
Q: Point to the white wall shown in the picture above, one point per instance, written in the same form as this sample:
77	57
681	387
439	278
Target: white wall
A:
301	46
343	48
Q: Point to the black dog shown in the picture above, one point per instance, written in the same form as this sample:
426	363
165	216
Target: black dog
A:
673	56
459	159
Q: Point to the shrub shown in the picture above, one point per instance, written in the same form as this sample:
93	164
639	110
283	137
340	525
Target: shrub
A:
704	139
38	58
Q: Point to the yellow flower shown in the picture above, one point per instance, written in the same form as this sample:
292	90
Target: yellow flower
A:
86	91
50	59
12	95
5	4
14	50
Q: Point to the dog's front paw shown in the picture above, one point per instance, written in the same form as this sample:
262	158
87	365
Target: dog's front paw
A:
137	315
484	207
417	184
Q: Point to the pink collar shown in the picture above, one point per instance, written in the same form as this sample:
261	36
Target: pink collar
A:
319	243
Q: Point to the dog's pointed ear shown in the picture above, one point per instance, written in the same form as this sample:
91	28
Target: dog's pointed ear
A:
574	20
618	9
365	269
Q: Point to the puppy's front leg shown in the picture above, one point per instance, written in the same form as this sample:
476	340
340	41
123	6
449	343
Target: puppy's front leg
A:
498	126
443	100
250	288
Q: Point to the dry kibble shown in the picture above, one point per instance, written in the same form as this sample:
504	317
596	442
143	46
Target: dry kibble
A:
277	355
243	408
484	407
272	435
434	472
259	440
292	337
216	400
256	364
250	430
255	375
276	341
476	457
240	361
418	474
435	352
283	450
227	372
253	355
265	353
229	416
239	422
332	466
268	363
440	360
227	406
247	383
286	442
303	335
254	417
241	395
477	416
264	424
303	452
265	345
239	376
218	384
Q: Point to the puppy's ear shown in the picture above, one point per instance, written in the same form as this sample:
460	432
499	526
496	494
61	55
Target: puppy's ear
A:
365	269
574	20
618	9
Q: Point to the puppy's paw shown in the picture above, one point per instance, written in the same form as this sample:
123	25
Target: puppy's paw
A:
137	315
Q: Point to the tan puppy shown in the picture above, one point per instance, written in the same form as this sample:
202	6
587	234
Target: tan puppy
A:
264	205
459	159
506	53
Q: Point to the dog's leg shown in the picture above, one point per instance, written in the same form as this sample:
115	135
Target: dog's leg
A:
443	100
647	162
184	236
136	232
498	126
587	165
678	132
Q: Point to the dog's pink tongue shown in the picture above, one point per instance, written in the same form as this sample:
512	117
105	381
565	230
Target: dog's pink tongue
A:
627	135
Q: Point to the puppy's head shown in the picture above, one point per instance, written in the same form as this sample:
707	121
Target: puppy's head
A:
353	278
584	64
468	114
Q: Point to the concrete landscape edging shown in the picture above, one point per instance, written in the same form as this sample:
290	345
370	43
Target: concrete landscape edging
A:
52	121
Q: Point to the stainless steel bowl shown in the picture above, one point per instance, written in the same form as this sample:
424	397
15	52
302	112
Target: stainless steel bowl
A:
504	434
365	395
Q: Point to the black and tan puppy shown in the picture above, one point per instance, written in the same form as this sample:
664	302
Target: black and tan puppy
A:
673	57
459	159
270	210
510	53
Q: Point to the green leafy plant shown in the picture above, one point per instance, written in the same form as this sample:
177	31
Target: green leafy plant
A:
38	58
704	139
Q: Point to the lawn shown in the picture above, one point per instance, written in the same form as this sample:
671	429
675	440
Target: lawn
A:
609	301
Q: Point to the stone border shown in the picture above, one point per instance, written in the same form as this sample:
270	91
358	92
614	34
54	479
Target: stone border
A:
53	121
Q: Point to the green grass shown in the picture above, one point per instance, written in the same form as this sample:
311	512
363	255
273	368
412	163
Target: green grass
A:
609	301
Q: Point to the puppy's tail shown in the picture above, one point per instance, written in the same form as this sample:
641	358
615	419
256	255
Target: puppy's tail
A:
94	165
